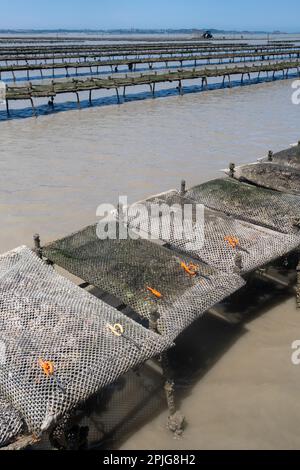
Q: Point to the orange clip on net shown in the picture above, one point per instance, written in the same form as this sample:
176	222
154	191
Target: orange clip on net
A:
47	367
232	241
155	292
192	269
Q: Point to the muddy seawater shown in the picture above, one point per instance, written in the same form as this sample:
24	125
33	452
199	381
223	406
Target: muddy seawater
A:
242	389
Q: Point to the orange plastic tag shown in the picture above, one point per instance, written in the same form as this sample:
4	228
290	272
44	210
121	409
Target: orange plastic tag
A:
47	367
155	292
232	241
192	269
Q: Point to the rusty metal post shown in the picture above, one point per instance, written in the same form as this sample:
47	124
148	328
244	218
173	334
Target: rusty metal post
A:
231	170
180	88
175	421
183	188
37	245
78	99
238	261
153	90
7	108
154	317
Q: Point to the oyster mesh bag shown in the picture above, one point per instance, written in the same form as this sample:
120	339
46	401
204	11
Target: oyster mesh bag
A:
11	423
149	278
215	239
260	206
60	342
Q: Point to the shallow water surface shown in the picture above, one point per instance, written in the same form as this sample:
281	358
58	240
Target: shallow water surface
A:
56	169
54	172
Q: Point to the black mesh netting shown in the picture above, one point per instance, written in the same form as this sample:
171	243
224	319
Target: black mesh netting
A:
270	175
217	241
290	157
272	209
59	341
11	423
144	276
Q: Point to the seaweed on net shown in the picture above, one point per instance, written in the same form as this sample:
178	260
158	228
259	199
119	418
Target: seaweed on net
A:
289	157
272	175
220	238
260	206
145	276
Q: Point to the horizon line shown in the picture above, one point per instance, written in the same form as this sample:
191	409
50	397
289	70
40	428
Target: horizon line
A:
133	29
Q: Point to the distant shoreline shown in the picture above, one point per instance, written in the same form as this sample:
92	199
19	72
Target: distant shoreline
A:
135	31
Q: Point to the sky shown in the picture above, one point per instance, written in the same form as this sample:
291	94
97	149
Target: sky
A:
267	15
